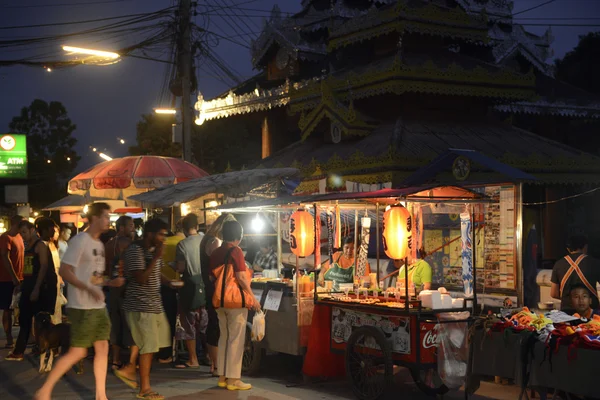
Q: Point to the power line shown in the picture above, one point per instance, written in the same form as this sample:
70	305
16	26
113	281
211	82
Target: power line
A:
562	198
87	3
82	22
534	7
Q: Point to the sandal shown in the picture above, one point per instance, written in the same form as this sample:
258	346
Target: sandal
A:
114	366
187	366
129	382
14	357
150	396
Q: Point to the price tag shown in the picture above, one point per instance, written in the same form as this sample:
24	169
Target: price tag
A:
258	294
273	300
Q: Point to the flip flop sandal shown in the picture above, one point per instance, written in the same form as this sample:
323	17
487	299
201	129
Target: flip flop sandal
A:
186	366
9	346
131	383
150	396
114	366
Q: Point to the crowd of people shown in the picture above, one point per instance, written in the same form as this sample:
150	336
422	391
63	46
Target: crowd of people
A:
134	295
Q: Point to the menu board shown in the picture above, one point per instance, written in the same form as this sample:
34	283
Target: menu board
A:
499	251
494	240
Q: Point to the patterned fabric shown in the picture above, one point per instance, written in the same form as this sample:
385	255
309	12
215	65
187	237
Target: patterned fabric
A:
143	298
266	261
363	250
467	253
88	326
330	235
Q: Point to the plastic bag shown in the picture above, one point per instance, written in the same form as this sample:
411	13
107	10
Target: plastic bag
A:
258	326
453	349
15	300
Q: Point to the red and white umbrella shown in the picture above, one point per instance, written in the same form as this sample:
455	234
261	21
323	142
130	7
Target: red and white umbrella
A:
124	177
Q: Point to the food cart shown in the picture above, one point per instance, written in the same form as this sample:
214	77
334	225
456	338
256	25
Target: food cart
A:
375	333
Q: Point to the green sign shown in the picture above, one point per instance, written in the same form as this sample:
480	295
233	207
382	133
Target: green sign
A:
13	156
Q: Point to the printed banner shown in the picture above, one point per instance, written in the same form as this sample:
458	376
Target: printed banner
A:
395	329
330	235
361	266
466	239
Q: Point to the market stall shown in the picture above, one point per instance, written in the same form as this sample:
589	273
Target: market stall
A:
376	328
545	352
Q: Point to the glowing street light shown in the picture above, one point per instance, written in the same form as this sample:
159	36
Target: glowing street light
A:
165	111
91	52
104	156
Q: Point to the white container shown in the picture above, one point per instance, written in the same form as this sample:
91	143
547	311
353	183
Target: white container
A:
431	299
457	303
446	301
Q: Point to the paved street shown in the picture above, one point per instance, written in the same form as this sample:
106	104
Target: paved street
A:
281	380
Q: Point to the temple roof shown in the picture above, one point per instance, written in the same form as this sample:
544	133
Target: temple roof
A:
408	144
557	98
508	40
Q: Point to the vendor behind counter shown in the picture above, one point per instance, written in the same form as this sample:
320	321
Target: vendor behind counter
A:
343	266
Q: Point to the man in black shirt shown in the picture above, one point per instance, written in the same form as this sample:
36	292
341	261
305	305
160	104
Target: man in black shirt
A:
575	269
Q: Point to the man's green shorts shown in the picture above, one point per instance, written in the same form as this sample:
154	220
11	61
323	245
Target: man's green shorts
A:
88	326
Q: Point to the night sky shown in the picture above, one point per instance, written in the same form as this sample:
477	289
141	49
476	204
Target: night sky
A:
105	102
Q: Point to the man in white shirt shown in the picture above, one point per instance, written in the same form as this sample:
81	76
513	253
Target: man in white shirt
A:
83	268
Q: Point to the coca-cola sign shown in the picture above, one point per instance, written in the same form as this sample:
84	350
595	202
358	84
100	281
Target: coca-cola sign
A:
431	338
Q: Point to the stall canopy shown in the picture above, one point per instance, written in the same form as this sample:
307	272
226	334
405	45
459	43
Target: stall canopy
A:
446	194
70	203
123	177
228	183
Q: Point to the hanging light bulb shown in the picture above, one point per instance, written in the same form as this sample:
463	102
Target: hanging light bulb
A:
257	223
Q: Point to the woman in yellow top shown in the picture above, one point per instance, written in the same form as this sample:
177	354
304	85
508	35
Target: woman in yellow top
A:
342	269
419	272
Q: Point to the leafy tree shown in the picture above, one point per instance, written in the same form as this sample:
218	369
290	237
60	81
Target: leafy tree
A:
224	144
50	147
579	67
154	137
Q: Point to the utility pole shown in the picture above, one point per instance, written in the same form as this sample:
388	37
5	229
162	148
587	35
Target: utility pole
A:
185	69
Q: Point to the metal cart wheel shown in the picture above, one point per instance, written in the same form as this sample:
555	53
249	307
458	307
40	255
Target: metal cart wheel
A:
429	381
253	353
370	372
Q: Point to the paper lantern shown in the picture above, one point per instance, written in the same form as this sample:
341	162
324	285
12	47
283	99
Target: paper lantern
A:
302	233
397	232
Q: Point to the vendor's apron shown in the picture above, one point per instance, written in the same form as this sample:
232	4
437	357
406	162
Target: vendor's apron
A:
575	268
411	273
339	274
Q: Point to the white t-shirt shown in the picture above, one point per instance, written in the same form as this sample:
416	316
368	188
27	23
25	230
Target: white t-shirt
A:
62	248
86	255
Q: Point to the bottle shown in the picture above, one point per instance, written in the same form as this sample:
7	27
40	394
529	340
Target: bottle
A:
305	284
312	281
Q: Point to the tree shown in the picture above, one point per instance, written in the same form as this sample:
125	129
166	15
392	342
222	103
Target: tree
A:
50	149
579	67
154	137
226	143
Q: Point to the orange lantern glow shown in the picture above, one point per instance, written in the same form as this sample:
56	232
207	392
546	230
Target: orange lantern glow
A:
302	233
397	232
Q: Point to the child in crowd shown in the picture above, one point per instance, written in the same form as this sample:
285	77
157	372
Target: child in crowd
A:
581	302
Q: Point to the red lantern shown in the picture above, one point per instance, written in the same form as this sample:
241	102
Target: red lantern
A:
397	232
302	233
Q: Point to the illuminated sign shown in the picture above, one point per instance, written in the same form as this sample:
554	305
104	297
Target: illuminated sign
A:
13	156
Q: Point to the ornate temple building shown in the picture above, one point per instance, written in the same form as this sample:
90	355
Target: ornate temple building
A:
370	91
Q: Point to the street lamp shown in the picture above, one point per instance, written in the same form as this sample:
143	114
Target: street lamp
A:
91	52
165	111
104	156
